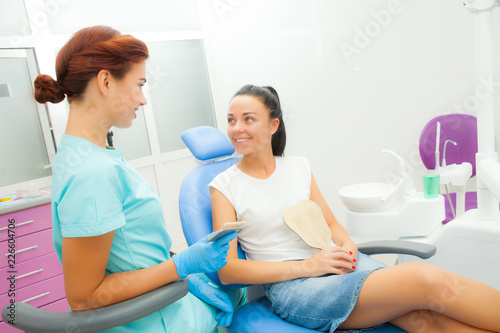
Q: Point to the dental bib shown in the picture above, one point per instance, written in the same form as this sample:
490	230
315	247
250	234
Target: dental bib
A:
307	220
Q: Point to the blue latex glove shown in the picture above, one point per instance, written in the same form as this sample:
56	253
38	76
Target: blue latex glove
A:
203	256
212	296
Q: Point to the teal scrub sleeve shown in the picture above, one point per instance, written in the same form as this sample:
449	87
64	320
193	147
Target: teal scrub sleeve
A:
91	204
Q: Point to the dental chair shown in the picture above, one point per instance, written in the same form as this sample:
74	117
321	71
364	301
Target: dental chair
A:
457	145
33	320
214	153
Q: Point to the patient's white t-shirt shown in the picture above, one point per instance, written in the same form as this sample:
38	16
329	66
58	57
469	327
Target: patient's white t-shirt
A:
261	203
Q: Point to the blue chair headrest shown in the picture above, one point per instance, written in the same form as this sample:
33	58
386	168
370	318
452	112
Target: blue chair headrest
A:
207	143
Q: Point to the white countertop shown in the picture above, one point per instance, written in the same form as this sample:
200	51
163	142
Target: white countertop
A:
24	203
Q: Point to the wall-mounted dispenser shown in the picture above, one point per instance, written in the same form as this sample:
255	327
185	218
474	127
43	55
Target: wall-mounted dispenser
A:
5	90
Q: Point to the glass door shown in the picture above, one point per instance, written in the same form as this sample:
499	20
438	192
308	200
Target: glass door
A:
26	144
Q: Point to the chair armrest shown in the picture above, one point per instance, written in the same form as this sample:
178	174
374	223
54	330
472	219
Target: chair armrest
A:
33	320
420	250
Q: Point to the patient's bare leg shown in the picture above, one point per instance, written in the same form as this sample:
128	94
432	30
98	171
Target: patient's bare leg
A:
392	293
426	321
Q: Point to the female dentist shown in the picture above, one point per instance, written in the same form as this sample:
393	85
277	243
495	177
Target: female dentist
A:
108	227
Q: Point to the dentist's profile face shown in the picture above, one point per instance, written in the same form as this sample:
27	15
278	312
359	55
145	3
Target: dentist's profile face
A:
249	124
126	95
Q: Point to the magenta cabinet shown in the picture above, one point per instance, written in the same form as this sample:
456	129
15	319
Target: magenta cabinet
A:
58	306
30	271
38	294
27	221
26	248
4	328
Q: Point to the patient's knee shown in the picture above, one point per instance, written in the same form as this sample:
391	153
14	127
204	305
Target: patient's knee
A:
438	286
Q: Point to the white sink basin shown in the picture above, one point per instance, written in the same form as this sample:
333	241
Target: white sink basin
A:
369	197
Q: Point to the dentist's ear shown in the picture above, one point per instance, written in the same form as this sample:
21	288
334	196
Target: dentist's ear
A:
103	82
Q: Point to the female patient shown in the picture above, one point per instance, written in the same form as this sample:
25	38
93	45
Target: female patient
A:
329	289
108	226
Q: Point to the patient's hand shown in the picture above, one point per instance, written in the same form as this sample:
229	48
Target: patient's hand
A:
335	260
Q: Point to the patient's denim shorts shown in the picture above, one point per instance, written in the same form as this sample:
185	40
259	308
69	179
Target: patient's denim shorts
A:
321	303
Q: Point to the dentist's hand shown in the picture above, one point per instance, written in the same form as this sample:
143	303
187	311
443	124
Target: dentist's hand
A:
212	296
203	256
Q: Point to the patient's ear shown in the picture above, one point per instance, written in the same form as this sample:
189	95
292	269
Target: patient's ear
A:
275	123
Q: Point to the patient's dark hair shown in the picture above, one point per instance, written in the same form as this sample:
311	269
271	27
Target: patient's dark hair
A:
269	96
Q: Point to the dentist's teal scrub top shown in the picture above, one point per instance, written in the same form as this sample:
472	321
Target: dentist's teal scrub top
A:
95	191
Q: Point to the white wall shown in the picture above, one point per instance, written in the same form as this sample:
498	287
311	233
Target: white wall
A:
342	108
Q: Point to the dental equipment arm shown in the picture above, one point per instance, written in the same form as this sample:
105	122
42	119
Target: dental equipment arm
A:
456	175
438	138
443	163
489	172
475	6
488	185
